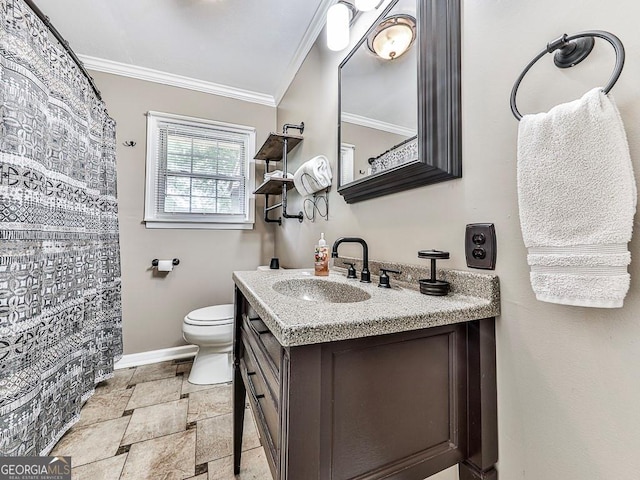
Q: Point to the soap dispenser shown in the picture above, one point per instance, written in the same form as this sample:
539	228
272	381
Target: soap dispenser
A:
321	263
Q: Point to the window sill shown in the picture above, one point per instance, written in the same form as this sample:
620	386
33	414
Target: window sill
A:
198	225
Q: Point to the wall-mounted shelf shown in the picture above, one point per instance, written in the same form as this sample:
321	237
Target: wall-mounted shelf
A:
273	186
272	149
275	149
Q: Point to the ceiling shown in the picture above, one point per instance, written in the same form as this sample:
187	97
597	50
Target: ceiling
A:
255	46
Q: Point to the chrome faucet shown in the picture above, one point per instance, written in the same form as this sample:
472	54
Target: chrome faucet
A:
365	275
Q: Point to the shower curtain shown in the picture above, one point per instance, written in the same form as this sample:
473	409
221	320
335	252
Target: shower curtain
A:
60	312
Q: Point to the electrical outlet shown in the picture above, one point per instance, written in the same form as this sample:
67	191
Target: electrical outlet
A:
480	246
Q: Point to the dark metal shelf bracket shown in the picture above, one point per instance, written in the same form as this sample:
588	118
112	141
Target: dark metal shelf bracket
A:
285	147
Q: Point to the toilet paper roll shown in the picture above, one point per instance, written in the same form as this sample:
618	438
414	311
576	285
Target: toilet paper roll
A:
165	265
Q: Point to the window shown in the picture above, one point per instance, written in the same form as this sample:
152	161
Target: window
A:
199	173
347	159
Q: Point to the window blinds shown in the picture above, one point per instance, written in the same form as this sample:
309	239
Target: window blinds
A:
201	170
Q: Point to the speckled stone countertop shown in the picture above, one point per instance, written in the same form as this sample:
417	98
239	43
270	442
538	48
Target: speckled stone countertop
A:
295	321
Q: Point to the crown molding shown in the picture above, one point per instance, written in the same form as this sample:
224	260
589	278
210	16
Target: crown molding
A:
377	124
165	78
306	44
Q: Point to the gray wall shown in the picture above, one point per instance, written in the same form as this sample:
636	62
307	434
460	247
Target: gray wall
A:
369	142
153	307
568	383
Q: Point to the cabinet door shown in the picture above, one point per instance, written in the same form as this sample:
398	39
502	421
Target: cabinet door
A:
391	406
394	403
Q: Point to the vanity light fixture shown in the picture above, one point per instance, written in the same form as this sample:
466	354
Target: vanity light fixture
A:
393	36
338	17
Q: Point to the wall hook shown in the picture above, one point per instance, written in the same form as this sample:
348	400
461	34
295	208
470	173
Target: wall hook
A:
129	143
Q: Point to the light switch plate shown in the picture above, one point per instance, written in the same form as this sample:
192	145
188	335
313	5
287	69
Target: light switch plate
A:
480	246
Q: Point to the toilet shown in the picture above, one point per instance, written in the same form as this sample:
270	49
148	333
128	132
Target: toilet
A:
211	329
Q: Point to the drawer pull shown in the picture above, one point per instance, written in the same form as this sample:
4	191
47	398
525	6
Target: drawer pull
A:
254	393
252	388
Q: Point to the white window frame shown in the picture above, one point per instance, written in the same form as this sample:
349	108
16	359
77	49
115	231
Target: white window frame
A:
154	219
347	163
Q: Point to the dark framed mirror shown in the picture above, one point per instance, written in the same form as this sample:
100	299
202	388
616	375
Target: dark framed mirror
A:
399	113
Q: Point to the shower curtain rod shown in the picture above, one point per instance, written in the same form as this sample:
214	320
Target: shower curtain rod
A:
64	43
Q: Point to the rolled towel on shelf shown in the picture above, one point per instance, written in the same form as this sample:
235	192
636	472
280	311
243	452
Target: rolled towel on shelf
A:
577	199
313	175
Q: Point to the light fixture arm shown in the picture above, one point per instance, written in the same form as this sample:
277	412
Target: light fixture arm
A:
367	5
352	10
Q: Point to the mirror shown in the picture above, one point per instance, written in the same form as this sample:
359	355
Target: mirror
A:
399	113
377	135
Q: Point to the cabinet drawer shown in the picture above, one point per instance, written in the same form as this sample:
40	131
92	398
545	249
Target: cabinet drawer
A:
267	351
265	406
272	347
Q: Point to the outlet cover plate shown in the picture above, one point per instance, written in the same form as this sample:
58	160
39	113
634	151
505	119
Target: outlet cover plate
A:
480	246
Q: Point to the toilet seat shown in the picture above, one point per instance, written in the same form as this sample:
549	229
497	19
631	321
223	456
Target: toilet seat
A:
214	315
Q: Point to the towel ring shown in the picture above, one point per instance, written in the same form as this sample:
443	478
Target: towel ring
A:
571	50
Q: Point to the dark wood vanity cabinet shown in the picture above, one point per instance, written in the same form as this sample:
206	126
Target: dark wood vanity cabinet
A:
402	406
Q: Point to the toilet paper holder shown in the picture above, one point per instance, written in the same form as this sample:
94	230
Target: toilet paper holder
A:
154	262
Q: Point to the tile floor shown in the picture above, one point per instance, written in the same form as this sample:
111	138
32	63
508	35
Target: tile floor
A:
150	423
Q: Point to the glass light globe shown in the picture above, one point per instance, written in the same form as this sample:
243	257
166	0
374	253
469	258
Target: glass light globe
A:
393	41
338	27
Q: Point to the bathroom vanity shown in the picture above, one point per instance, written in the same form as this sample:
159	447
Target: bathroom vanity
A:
350	381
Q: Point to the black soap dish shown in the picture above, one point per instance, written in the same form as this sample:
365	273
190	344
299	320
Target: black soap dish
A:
432	286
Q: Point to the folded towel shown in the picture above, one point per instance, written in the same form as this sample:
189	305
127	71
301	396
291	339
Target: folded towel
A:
577	198
313	175
276	174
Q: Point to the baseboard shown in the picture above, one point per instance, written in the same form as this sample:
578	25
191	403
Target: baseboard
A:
155	356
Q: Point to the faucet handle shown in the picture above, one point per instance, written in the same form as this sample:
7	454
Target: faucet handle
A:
384	278
351	272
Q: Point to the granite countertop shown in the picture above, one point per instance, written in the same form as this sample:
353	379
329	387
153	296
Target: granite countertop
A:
294	321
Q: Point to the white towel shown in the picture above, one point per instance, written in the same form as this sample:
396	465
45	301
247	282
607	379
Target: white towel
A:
276	174
313	175
577	198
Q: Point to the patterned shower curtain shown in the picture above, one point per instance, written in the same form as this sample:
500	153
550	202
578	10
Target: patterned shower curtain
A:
60	311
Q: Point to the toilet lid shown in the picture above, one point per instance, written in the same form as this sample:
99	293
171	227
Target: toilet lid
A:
218	314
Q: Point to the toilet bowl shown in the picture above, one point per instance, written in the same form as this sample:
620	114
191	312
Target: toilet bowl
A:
211	329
